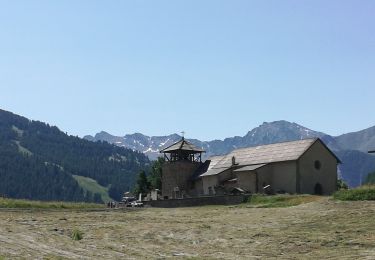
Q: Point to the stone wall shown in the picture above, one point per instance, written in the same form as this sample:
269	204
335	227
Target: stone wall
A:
247	181
178	174
209	183
198	201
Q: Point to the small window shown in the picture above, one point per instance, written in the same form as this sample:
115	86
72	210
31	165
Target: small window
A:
318	165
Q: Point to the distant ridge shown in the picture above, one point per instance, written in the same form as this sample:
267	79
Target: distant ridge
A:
347	147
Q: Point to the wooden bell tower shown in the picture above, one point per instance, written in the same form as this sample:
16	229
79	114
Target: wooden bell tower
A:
182	161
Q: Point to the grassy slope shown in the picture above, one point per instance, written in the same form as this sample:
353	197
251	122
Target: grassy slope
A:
366	192
91	185
279	201
29	204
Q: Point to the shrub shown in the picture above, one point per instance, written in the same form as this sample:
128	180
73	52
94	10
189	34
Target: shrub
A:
341	185
361	193
77	234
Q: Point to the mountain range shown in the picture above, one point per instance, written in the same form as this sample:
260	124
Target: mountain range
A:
38	161
351	148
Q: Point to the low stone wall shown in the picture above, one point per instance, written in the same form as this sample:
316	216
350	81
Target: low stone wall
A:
198	201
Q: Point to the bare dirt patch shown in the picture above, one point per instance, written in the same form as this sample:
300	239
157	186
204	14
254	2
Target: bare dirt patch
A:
323	229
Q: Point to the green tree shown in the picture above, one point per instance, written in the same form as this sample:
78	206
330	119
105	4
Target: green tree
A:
156	173
143	184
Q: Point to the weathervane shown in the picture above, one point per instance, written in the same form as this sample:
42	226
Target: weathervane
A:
183	134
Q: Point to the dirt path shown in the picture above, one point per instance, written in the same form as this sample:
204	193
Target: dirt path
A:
324	229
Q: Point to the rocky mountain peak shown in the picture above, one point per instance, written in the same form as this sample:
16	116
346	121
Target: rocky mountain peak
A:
266	133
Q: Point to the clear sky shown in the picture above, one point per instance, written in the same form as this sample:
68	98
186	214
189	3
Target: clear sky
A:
214	69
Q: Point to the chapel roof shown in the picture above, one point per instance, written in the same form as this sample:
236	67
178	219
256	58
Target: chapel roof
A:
258	156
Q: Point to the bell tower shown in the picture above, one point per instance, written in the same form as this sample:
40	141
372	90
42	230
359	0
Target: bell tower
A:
182	159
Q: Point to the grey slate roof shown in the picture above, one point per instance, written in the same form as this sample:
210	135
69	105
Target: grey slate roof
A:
287	151
214	160
214	171
182	145
250	168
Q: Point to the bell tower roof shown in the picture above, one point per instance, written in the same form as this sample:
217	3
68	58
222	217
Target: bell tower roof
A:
182	145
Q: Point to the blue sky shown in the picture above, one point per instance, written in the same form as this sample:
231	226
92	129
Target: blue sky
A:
211	68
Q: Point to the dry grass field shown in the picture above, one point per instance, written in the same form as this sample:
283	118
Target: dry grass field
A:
320	229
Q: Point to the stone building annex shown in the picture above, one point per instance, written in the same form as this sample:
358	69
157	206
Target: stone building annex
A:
303	166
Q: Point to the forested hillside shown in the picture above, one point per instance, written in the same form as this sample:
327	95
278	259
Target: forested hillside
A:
37	161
